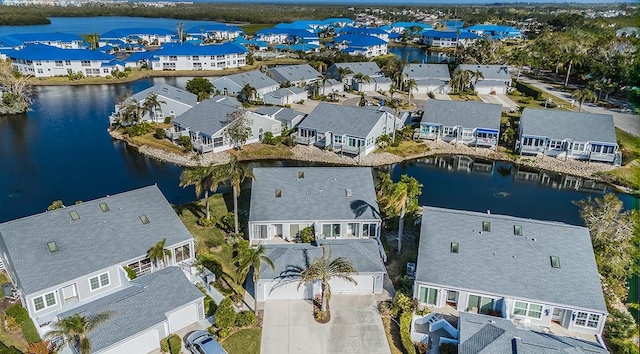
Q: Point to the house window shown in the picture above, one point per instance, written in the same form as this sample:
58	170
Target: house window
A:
337	139
173	58
38	62
85	62
479	304
141	267
428	296
527	309
554	144
44	301
578	147
331	230
67	62
260	232
99	281
218	141
196	58
58	62
586	319
40	71
182	253
369	230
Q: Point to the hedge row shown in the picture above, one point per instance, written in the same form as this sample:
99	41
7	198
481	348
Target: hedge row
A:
529	90
405	333
172	344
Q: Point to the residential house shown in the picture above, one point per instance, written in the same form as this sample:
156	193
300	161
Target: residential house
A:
374	84
42	60
281	283
58	40
345	129
300	47
330	87
215	32
299	75
467	122
286	96
485	263
148	36
185	56
494	79
495	31
173	102
575	135
628	32
447	39
337	202
360	44
287	116
401	27
206	123
429	77
367	68
231	85
75	264
287	36
366	31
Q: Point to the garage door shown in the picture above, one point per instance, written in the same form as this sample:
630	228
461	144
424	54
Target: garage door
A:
183	318
287	291
144	343
364	286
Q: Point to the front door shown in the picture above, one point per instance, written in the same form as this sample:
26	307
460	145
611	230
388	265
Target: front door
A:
277	230
558	315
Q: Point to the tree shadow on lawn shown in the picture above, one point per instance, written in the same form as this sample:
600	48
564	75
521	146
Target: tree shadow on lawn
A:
194	208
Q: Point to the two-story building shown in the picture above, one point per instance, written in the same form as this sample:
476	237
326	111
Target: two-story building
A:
148	36
429	77
447	39
58	40
186	56
172	101
232	85
299	75
360	44
215	32
350	69
79	260
489	79
575	135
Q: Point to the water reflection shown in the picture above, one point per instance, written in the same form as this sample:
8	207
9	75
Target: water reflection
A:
420	55
559	180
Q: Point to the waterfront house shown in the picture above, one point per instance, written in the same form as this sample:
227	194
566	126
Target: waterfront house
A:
299	75
447	39
173	102
495	31
360	44
467	122
231	85
274	284
214	32
286	96
374	84
287	116
205	124
402	27
286	36
146	36
495	79
367	68
345	129
42	60
58	40
366	31
300	47
535	273
429	77
337	202
575	135
185	56
79	260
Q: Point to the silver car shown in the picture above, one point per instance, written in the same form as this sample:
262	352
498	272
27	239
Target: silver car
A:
202	342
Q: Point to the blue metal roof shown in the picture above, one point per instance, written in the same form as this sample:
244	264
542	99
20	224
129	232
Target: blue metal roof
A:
212	28
298	47
412	24
450	34
190	49
21	38
361	30
126	32
357	40
46	52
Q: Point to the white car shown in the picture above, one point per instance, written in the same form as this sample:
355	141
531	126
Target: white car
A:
202	342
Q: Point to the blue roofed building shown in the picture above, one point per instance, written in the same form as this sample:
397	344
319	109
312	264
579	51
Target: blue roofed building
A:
358	44
214	32
150	36
287	36
446	39
185	56
495	31
42	60
367	31
400	27
59	40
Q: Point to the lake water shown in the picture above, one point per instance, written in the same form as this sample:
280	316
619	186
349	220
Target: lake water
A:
419	55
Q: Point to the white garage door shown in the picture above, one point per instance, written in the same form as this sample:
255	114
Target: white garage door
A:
364	286
144	343
183	318
485	90
286	291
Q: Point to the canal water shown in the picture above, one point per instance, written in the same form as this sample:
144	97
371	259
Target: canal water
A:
61	150
420	55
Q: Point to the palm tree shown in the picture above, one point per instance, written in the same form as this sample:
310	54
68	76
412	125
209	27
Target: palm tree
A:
324	79
248	92
392	89
584	95
575	56
180	30
205	179
396	201
519	57
236	173
315	87
476	75
150	104
343	71
158	254
411	85
460	79
73	330
323	270
93	40
400	64
252	257
360	78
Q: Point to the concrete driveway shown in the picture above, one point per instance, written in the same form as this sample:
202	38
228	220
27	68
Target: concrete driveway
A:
355	327
504	100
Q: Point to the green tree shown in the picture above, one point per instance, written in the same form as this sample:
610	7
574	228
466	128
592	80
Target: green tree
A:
584	95
343	71
476	76
411	85
238	128
519	57
57	204
201	87
392	89
460	80
248	257
92	39
360	78
248	92
225	316
73	331
236	173
396	199
16	89
150	105
205	179
158	254
324	269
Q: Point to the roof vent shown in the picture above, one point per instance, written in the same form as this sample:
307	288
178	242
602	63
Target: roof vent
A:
74	215
52	246
300	174
455	247
278	193
486	226
555	262
104	207
348	192
488	211
144	219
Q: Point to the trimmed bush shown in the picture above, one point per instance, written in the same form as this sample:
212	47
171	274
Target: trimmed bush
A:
204	222
245	318
529	90
18	312
175	344
225	315
405	333
308	235
210	306
164	345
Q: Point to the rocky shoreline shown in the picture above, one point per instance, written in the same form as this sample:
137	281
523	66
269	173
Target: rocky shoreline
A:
316	155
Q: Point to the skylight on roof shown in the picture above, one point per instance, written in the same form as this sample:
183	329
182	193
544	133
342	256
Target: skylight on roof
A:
144	219
104	207
348	192
555	262
486	226
517	230
74	215
52	246
278	193
455	247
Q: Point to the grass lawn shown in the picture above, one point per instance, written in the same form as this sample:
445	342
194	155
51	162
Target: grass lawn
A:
465	98
162	144
13	340
261	151
630	146
566	106
392	331
629	174
244	341
407	148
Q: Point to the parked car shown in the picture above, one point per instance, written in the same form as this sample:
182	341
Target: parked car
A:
202	342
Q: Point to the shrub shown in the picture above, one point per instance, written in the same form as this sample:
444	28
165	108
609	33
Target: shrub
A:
421	347
204	222
175	344
528	90
167	120
227	222
404	285
131	274
245	318
225	314
42	347
164	345
138	129
308	234
18	312
57	204
401	303
405	333
224	333
268	139
289	141
210	306
431	95
185	141
12	325
159	134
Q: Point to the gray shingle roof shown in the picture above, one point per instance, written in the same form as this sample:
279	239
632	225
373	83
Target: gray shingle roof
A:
137	308
427	71
481	334
364	254
255	78
320	195
490	72
467	114
168	91
283	92
354	121
291	73
366	67
282	114
500	263
209	116
561	125
430	82
95	241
